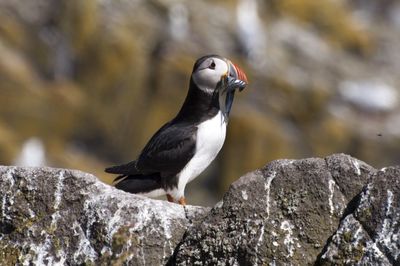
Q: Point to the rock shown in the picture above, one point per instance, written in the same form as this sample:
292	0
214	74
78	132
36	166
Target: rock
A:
336	210
62	216
369	235
287	212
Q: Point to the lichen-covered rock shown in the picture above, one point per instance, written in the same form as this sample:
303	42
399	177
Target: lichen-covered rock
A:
287	213
370	234
62	216
349	174
332	211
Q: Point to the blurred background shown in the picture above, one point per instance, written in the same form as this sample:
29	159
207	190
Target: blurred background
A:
85	84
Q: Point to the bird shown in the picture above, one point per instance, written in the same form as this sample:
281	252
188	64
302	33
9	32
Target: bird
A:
185	146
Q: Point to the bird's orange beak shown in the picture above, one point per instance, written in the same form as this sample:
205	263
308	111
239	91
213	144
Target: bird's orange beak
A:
239	73
237	79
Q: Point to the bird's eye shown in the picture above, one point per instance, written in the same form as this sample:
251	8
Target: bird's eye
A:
212	65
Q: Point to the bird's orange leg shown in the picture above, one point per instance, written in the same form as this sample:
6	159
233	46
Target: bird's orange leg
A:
182	201
170	198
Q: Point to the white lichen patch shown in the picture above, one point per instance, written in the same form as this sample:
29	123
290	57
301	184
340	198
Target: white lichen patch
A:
4	207
84	248
62	258
289	241
356	165
31	213
388	206
8	198
10	177
40	253
219	204
389	235
373	251
115	222
42	250
260	238
272	263
259	242
54	219
58	191
167	254
267	188
286	162
331	185
244	195
358	235
336	200
166	225
365	197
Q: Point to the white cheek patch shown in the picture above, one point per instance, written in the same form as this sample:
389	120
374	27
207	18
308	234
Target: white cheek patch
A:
221	67
207	79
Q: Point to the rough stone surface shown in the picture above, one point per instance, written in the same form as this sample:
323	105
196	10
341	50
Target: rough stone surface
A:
287	213
51	216
332	211
370	234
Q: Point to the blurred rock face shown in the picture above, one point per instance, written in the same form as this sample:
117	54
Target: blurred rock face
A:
95	79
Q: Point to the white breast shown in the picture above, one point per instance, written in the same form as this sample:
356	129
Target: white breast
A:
210	138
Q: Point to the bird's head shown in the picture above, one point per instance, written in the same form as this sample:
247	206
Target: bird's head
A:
214	74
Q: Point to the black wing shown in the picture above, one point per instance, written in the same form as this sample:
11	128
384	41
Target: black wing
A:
139	183
123	169
169	150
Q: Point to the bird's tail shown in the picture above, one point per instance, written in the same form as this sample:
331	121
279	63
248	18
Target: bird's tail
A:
124	169
138	183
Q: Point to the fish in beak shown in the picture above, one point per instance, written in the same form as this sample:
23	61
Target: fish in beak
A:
234	79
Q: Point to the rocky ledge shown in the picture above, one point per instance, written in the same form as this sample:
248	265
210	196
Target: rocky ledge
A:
336	210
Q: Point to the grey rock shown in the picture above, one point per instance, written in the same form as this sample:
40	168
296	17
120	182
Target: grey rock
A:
349	174
370	234
332	211
347	244
288	213
63	216
283	213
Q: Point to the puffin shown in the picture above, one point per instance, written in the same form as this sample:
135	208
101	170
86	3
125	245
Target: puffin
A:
185	146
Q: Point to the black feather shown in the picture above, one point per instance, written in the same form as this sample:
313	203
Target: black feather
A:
139	183
124	169
169	150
